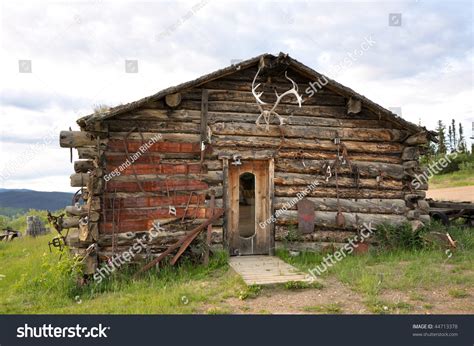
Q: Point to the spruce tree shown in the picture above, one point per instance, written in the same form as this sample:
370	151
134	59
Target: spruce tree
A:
462	142
450	138
441	130
455	142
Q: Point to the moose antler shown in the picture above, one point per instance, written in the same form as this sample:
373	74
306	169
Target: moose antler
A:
266	114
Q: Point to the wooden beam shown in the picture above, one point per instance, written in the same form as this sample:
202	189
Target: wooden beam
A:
173	100
75	139
204	116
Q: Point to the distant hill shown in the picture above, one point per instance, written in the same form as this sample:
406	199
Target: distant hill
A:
29	199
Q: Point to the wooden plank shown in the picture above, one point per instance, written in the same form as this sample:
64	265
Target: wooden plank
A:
265	270
204	116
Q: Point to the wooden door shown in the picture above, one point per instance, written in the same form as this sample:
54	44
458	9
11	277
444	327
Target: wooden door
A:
261	241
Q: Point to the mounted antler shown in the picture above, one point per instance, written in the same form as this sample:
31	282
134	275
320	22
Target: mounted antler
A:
266	114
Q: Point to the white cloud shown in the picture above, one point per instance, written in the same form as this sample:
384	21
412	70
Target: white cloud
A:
78	51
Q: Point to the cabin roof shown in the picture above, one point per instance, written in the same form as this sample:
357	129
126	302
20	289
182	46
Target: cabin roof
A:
290	62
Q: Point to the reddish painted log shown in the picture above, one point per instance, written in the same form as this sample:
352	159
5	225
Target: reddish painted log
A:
156	213
116	159
143	202
135	145
157	186
150	168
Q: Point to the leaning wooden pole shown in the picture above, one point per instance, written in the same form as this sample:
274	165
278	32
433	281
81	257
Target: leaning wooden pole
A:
173	247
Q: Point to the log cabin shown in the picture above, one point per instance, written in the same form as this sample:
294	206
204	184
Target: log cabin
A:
285	152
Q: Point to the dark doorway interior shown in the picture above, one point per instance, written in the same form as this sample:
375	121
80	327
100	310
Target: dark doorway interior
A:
247	205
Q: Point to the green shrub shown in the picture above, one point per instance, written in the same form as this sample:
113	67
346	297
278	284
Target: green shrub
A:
298	285
399	237
251	291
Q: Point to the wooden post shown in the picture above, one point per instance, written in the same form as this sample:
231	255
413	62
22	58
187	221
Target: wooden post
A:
204	115
209	228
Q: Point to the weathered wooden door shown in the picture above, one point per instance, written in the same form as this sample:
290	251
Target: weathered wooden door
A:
249	228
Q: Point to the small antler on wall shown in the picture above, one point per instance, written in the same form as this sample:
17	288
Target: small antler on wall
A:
266	114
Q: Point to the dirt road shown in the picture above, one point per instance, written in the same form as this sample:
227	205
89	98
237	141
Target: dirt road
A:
464	193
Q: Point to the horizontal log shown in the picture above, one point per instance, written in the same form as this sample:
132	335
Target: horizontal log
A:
309	132
366	169
157	213
79	179
282	109
269	142
217	190
87	152
322	99
417	139
300	154
281	234
157	186
164	126
118	158
411	153
82	211
283	178
143	225
159	115
146	136
173	100
352	220
134	146
150	116
140	202
211	177
83	166
153	168
74	139
159	238
71	222
324	192
217	117
369	206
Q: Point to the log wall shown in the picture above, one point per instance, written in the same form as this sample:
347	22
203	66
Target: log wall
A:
222	113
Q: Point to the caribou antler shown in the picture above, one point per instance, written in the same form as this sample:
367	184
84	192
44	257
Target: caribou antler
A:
266	114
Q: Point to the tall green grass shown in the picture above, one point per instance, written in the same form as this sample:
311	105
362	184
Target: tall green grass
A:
36	281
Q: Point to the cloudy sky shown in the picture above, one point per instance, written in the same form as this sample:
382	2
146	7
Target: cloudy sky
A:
60	59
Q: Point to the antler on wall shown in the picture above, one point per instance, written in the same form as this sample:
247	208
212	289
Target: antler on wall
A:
266	114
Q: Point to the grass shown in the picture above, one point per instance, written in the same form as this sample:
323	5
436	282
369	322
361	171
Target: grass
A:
457	293
407	271
33	280
455	179
36	282
299	285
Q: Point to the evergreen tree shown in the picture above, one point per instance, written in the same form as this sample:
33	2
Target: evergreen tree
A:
450	138
455	142
441	130
462	142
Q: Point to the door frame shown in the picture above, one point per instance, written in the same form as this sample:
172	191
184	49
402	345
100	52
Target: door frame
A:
231	237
